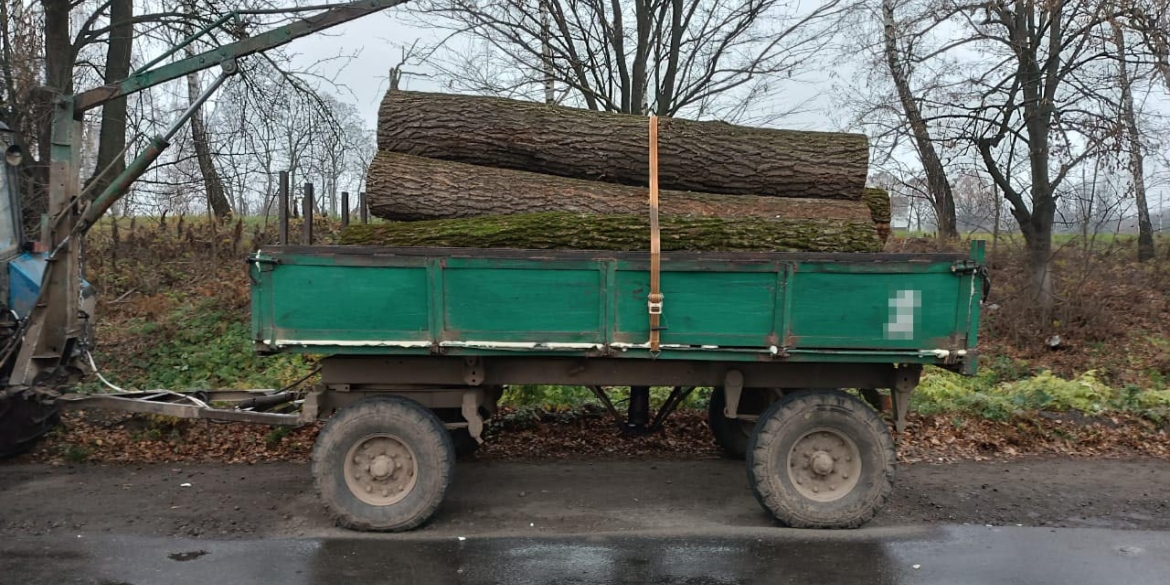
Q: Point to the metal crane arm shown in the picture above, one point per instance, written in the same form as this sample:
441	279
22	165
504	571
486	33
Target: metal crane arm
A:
49	338
149	77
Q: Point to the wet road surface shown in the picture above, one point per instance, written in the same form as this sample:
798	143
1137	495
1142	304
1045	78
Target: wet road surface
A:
937	554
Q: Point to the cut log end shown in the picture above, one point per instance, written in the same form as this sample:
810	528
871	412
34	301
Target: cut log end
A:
878	201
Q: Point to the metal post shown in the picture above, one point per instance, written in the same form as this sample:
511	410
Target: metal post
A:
283	208
363	208
307	215
638	412
345	209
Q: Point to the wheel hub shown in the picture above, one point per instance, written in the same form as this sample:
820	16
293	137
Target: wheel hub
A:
380	469
824	465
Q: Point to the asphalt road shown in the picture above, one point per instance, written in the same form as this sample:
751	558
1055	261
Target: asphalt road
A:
938	554
1060	521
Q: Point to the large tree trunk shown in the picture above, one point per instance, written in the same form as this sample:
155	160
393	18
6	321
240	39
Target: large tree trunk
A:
1136	155
112	138
404	187
59	58
216	199
941	196
714	157
546	231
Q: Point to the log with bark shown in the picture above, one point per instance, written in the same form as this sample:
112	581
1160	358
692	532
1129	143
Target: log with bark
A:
405	187
713	157
878	201
560	230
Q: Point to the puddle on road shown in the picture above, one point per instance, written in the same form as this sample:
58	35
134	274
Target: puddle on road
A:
186	556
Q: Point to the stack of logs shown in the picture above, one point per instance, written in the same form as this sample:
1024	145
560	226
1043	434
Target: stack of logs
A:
468	171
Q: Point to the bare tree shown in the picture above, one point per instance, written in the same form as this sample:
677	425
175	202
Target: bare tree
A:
217	201
898	45
1033	95
1151	18
266	121
1137	166
975	204
111	157
706	58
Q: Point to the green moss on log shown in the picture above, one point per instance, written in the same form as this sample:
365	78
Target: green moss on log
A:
557	231
878	201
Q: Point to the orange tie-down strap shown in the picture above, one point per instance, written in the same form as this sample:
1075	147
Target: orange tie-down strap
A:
654	303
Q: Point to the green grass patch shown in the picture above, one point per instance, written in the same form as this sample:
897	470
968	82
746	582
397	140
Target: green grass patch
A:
989	395
196	345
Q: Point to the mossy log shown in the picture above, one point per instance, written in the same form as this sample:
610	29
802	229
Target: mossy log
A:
878	201
712	157
559	230
405	187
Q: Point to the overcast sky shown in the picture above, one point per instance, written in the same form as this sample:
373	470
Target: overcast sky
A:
377	41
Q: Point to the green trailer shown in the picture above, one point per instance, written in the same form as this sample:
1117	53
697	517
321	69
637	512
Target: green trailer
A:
418	344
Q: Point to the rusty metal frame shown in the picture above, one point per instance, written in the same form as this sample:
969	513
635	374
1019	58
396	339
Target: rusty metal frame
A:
350	373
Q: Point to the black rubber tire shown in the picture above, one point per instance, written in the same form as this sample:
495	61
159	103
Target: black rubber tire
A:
732	435
24	421
416	425
790	419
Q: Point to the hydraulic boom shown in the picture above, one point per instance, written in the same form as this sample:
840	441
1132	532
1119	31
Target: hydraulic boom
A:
40	355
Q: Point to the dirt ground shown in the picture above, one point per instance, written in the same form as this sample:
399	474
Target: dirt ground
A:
566	497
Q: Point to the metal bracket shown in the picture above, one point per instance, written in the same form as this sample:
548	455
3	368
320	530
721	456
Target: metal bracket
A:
311	406
473	371
655	308
905	381
472	400
965	267
732	388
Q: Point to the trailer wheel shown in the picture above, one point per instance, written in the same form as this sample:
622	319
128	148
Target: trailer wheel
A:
383	464
731	434
821	459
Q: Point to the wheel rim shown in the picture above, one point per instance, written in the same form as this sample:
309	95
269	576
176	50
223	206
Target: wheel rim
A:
824	465
380	469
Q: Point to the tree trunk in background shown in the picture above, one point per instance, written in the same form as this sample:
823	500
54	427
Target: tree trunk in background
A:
404	187
941	196
59	58
713	157
112	138
216	199
556	231
1137	167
